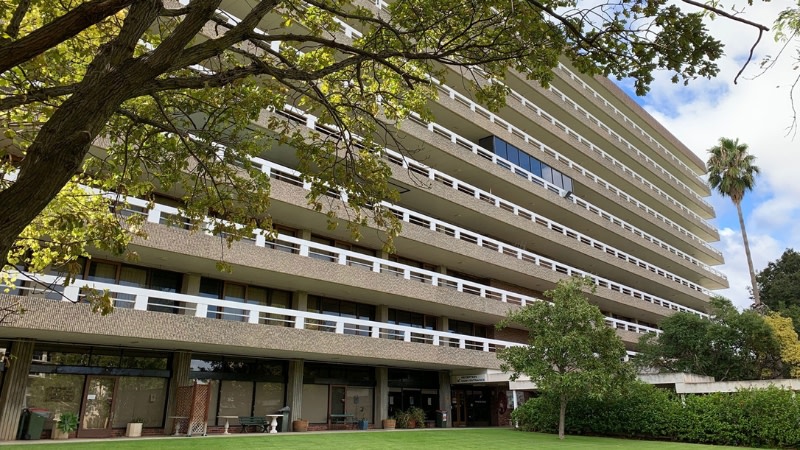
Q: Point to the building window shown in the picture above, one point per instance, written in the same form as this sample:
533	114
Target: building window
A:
246	294
410	319
135	276
339	308
525	161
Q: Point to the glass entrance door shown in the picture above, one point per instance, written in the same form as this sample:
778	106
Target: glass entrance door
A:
459	412
98	407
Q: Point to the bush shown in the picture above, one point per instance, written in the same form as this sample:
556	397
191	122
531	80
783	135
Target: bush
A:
754	418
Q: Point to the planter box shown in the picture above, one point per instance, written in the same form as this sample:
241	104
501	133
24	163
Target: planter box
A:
300	425
134	429
58	434
389	424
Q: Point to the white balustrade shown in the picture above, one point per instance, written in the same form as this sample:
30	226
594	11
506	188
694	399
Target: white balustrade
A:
345	257
666	153
435	175
128	297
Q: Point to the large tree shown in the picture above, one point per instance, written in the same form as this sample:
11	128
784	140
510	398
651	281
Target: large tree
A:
732	172
731	345
779	285
143	96
570	349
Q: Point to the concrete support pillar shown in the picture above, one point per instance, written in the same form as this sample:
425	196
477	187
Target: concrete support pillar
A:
181	363
300	301
294	389
12	396
445	397
444	323
382	313
190	286
381	395
304	234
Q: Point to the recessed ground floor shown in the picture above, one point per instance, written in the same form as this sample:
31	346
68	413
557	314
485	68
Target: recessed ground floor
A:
184	391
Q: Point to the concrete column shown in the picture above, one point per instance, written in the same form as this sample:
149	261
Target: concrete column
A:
181	363
294	389
382	313
300	301
444	323
381	395
445	396
304	234
190	286
12	396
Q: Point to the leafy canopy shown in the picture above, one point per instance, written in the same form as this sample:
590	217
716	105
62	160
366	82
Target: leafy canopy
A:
570	349
779	285
731	345
150	97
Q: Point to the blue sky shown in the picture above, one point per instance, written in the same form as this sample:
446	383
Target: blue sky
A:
758	111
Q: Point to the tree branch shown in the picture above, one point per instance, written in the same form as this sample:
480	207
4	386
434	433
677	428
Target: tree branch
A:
40	95
59	30
16	20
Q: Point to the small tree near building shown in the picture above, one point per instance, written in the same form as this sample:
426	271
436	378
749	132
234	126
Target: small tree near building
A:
570	349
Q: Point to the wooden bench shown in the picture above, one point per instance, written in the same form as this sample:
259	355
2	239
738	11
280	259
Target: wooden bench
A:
253	421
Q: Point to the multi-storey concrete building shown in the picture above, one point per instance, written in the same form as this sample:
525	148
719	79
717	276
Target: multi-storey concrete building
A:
576	179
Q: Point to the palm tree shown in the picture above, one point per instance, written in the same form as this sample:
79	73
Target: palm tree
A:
731	171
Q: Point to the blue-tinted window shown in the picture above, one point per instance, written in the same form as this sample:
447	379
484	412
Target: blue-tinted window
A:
513	155
500	148
536	167
525	161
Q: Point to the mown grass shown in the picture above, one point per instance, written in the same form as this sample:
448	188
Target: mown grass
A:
479	439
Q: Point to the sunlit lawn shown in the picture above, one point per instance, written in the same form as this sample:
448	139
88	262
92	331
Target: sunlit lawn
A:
483	439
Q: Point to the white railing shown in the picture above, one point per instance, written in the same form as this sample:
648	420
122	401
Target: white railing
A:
585	142
291	176
163	214
433	174
666	153
140	299
545	149
535	143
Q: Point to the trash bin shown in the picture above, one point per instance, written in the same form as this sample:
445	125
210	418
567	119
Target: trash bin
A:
36	425
283	422
31	424
441	419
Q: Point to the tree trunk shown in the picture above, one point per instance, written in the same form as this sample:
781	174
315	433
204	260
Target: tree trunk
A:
562	416
756	297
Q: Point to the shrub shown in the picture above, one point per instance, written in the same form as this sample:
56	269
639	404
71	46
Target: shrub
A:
755	418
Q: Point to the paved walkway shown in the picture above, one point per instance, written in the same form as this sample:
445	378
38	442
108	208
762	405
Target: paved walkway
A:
223	436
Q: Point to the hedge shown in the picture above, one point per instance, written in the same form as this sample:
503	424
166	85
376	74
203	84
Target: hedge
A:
752	418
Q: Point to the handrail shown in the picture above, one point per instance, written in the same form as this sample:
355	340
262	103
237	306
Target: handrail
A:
163	214
544	148
457	96
143	299
310	121
537	144
630	122
291	176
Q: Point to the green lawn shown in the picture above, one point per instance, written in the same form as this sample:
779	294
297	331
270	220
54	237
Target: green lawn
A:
483	439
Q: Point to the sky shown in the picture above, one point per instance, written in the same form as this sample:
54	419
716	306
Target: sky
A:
758	111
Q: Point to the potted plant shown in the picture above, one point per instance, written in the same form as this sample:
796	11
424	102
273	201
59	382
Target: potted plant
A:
66	423
300	425
134	428
402	418
417	415
390	423
363	423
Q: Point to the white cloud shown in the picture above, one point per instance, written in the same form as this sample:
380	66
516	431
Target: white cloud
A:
758	111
